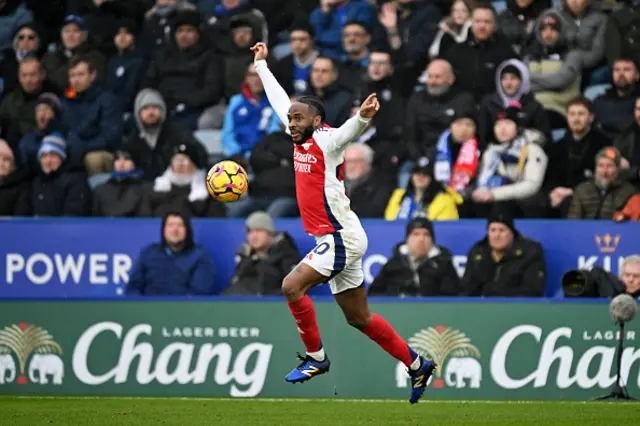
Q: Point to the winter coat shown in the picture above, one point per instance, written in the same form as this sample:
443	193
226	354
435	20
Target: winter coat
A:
627	144
418	28
124	74
521	272
30	144
103	20
14	194
156	29
10	63
474	63
524	184
193	200
13	14
219	26
272	164
428	116
57	63
255	276
446	37
571	162
590	202
614	113
631	210
401	277
337	102
283	70
160	272
517	24
439	203
369	198
60	193
328	26
94	119
118	198
622	37
586	33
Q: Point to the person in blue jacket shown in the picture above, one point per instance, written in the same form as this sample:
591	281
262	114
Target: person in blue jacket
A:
249	118
175	266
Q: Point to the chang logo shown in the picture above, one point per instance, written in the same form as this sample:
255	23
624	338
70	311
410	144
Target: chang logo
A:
607	243
31	346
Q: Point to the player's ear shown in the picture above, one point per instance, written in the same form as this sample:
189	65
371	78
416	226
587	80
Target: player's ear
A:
317	121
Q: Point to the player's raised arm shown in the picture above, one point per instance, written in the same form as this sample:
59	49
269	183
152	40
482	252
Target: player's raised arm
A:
277	96
353	127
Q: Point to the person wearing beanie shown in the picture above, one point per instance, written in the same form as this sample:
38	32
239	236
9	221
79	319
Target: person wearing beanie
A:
181	187
504	263
225	12
189	75
605	193
423	197
125	68
58	190
512	85
264	260
175	266
418	267
26	42
14	184
120	196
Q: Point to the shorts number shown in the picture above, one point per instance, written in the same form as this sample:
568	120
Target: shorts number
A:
321	248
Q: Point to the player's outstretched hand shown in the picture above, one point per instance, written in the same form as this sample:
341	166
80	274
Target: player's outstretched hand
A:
260	51
370	106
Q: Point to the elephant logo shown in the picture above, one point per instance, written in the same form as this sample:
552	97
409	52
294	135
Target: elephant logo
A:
33	345
448	348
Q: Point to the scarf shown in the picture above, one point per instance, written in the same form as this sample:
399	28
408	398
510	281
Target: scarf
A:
514	152
197	181
465	166
134	174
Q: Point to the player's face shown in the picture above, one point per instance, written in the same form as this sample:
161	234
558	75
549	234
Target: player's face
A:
500	236
419	242
302	122
174	230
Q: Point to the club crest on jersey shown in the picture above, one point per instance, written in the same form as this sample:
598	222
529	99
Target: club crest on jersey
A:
307	145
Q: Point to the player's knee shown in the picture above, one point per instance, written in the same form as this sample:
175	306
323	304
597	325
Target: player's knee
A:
291	288
358	320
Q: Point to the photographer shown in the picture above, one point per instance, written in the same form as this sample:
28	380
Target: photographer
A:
597	282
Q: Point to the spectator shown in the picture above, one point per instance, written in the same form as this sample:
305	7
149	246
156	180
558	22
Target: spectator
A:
75	42
264	260
189	75
103	17
554	68
474	61
411	27
273	186
430	112
16	109
125	69
325	85
418	266
630	211
94	119
453	29
423	197
13	13
518	20
355	43
328	21
571	158
14	185
621	37
512	84
26	42
631	275
121	195
614	108
627	144
293	71
367	191
249	118
48	114
280	15
243	37
181	188
605	193
57	190
513	168
48	16
586	26
504	263
159	22
156	135
176	266
219	25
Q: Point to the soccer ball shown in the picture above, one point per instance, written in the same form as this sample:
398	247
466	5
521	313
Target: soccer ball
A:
227	181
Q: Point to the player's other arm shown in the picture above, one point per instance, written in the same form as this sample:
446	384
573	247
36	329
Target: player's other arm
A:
353	127
277	96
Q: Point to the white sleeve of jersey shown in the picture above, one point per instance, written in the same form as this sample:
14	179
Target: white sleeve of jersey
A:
277	96
339	138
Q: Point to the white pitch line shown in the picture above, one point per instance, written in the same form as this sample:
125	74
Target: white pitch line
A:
341	400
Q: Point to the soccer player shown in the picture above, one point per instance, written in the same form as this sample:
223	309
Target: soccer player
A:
340	239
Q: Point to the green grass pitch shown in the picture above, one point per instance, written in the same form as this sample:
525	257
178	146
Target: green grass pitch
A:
34	411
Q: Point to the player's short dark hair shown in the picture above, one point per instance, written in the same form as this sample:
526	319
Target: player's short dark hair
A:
581	100
77	60
313	103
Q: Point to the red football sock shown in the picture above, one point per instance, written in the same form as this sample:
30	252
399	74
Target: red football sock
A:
305	316
381	332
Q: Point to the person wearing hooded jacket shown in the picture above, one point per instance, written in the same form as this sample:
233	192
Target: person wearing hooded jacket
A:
517	22
26	42
585	29
512	84
264	260
176	266
121	195
418	266
13	14
158	23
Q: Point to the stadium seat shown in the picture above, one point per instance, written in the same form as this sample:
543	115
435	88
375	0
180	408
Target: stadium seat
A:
98	179
557	134
499	5
593	92
212	142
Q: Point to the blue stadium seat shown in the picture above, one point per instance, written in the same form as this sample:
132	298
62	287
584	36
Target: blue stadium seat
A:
557	134
98	179
212	142
499	5
593	92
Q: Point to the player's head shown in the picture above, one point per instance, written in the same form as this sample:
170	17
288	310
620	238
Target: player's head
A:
306	115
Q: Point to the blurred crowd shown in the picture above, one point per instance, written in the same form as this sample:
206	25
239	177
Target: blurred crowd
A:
526	106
